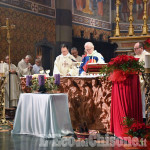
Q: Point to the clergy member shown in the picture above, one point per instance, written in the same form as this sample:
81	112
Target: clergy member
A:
74	52
24	66
63	64
37	66
140	53
92	57
14	84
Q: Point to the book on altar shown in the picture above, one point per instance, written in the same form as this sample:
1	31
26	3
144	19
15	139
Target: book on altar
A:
94	67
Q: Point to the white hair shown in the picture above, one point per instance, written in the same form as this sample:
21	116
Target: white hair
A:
28	56
90	44
37	60
6	57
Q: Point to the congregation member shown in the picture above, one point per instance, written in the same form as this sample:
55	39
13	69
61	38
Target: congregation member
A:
24	66
74	52
64	63
14	84
37	66
92	56
140	53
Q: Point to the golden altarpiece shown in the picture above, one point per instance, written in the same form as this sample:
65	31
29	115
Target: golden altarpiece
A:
126	43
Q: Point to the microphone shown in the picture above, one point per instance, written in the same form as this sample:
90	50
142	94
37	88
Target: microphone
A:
73	60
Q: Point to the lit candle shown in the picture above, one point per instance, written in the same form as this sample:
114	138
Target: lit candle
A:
147	61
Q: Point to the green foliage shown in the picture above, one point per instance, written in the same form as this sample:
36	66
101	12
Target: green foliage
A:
126	63
49	85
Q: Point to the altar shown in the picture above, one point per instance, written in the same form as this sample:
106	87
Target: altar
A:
89	100
43	115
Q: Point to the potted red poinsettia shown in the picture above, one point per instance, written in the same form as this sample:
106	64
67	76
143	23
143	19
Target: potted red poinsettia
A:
120	67
147	44
137	129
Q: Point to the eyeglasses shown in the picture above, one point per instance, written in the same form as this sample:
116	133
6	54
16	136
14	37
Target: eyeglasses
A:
137	48
88	49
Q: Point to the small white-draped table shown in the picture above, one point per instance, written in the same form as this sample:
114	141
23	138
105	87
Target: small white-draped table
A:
43	115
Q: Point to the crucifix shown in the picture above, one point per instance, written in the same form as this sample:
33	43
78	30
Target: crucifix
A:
65	64
8	28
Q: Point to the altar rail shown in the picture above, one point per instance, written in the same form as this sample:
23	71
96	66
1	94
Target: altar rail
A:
89	101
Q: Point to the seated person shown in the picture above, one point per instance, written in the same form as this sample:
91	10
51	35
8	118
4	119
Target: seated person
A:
92	57
37	66
63	64
74	52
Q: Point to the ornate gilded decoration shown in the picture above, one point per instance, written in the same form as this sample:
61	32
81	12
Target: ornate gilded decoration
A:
131	19
8	28
117	30
147	96
145	17
2	101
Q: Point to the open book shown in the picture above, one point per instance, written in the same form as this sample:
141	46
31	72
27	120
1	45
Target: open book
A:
94	67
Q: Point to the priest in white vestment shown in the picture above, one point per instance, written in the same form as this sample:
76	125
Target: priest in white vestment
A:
140	53
14	84
24	66
64	63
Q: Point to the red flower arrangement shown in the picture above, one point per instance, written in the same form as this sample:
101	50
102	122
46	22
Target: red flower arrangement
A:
136	129
121	66
147	43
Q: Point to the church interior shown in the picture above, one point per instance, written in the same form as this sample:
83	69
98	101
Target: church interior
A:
74	74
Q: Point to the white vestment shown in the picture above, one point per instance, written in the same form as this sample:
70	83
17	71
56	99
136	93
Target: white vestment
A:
63	65
142	56
37	69
14	86
23	68
79	59
142	82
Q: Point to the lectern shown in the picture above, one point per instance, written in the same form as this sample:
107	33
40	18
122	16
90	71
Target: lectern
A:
93	68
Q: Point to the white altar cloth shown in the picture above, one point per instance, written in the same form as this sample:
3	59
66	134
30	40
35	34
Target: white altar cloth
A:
43	115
